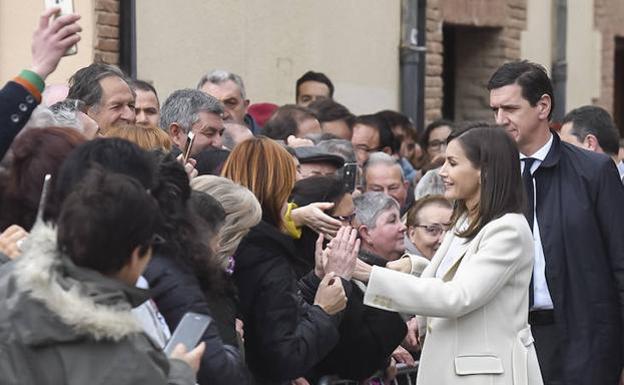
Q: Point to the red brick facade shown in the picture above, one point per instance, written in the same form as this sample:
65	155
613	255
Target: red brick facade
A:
487	35
609	20
106	31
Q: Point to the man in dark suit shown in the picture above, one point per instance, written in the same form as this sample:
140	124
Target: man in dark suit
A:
576	212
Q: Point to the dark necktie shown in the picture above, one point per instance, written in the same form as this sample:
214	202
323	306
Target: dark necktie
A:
527	180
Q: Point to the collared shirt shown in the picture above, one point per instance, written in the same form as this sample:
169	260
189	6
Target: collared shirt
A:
541	295
620	167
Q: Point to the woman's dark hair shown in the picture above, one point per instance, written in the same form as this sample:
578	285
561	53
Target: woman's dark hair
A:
318	189
36	152
111	154
104	218
180	225
491	150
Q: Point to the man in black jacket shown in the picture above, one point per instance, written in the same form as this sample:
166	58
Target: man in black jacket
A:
19	97
576	209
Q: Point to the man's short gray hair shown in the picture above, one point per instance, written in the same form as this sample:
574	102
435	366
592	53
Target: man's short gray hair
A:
183	107
377	158
220	76
369	206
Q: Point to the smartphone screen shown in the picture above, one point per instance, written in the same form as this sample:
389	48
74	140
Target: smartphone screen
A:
349	176
190	139
67	7
189	331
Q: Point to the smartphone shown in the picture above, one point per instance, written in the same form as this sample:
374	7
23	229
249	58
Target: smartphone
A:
349	176
67	7
190	138
189	331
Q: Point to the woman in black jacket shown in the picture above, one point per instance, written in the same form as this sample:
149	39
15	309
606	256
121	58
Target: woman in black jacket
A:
285	337
368	336
182	271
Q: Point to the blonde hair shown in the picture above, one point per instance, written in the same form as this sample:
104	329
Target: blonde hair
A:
148	138
265	168
242	211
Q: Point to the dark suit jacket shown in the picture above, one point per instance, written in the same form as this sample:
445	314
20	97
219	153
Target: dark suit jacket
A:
580	210
16	105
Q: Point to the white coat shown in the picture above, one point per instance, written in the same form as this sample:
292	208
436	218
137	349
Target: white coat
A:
475	316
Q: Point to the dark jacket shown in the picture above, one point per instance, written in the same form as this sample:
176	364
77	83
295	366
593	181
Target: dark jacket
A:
176	291
16	105
580	211
62	324
368	335
285	337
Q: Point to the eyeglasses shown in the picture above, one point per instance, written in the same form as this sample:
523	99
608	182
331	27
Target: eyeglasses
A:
436	144
344	218
434	229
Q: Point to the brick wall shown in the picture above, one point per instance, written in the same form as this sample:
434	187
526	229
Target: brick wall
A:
487	37
106	31
609	20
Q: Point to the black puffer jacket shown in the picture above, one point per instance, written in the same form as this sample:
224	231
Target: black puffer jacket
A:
176	291
285	337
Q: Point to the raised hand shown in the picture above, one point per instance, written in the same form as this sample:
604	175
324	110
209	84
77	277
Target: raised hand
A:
52	39
342	252
330	295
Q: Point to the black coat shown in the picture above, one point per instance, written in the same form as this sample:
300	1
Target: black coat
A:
368	335
285	337
580	211
176	291
16	105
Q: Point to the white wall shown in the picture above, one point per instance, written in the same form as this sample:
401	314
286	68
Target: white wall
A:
270	43
584	55
536	40
18	20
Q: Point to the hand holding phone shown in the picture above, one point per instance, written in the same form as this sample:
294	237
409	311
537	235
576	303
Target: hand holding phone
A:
190	139
67	8
189	331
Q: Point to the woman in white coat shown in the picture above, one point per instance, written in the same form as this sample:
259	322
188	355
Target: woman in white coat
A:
473	298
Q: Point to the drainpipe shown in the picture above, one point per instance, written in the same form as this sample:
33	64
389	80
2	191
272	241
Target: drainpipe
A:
560	65
412	60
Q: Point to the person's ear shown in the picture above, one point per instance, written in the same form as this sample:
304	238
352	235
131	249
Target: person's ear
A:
246	103
175	132
591	142
364	233
387	150
544	105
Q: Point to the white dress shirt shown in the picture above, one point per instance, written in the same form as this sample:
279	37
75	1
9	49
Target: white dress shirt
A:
541	295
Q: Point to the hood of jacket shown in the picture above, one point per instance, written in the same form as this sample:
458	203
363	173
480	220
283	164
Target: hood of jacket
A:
83	302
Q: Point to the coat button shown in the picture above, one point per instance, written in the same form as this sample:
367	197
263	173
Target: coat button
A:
15	118
22	107
30	99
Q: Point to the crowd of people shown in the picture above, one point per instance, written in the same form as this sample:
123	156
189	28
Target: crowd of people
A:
319	243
